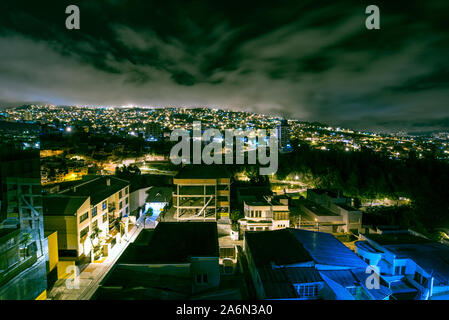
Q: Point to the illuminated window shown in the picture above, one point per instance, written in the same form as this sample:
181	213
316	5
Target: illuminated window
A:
104	205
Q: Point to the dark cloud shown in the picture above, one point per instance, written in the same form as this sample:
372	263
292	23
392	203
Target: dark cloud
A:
304	59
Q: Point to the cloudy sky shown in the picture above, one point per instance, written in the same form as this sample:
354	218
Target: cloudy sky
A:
310	60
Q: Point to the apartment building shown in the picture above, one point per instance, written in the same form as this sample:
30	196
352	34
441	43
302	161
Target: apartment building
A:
76	210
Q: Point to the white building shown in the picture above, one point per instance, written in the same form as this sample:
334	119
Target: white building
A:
264	215
413	266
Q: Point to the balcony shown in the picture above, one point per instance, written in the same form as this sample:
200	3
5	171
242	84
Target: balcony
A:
27	257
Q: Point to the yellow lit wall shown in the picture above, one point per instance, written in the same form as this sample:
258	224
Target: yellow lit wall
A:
53	250
66	269
42	296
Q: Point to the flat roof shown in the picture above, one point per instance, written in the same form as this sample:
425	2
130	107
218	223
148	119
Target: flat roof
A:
328	250
346	207
317	209
173	242
203	172
278	282
278	246
259	203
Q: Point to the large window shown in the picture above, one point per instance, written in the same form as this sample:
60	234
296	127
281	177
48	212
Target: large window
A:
84	217
104	205
307	290
94	211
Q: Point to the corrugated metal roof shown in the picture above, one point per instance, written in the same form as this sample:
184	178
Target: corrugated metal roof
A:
344	277
326	249
279	283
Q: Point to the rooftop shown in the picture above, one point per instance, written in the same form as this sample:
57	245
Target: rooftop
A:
203	172
278	282
62	205
432	256
328	250
317	209
97	188
159	194
173	242
278	246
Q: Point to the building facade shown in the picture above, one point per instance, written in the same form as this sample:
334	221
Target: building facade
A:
99	204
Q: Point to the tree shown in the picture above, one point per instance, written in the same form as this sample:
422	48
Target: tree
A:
149	213
95	234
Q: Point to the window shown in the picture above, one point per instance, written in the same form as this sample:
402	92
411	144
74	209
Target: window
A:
307	290
94	211
94	224
104	205
105	217
399	270
201	278
127	209
127	190
120	205
120	194
84	216
84	232
126	200
420	279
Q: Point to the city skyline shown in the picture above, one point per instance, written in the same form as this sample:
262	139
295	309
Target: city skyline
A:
296	61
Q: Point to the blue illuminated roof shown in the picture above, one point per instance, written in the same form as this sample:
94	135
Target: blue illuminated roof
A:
326	249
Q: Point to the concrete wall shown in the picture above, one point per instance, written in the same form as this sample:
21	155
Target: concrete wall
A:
205	265
66	227
137	199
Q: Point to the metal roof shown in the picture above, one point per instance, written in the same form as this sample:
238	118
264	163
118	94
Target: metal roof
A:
326	249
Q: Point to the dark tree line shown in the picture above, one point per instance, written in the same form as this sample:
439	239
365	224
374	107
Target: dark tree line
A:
367	174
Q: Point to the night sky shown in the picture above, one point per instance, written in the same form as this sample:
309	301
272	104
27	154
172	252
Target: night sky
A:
310	60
